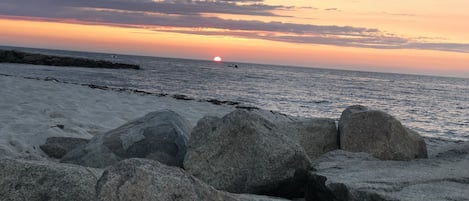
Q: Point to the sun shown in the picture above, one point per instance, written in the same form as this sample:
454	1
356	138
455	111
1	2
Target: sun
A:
217	59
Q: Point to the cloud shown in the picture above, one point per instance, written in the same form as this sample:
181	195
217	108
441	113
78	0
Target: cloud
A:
183	7
190	17
331	9
389	14
362	41
168	13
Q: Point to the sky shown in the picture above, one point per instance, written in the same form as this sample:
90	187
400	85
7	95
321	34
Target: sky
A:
411	36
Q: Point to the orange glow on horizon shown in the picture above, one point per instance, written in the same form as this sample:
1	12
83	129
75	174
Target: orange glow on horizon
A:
99	38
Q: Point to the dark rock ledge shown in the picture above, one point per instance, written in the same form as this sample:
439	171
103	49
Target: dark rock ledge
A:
11	56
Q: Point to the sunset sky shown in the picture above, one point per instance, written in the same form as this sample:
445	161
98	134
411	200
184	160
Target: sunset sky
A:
412	36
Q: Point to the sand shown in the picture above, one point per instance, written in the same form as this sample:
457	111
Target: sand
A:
32	109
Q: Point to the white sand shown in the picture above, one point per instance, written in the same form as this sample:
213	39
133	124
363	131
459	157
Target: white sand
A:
31	109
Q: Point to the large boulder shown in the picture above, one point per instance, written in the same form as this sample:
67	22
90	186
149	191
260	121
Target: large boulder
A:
145	180
243	153
379	134
161	136
317	136
344	117
40	180
57	147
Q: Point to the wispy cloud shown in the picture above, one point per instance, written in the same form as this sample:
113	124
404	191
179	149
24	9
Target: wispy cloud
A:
370	39
331	9
389	14
192	17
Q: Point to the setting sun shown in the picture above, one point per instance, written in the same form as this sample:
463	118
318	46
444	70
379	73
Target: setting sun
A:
217	59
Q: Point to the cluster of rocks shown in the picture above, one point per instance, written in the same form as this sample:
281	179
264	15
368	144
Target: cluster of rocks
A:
11	56
247	155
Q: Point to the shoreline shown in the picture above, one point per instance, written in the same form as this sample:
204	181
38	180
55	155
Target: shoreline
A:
33	108
41	108
183	97
38	109
213	101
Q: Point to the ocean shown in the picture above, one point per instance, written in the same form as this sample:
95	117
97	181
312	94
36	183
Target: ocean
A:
433	106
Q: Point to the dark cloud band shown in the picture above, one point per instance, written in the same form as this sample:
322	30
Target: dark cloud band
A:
190	17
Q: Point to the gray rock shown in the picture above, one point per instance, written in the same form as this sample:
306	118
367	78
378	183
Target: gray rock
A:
381	135
243	153
359	176
145	180
344	117
305	185
316	136
57	147
161	135
38	181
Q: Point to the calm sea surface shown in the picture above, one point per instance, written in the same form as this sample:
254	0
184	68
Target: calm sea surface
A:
433	106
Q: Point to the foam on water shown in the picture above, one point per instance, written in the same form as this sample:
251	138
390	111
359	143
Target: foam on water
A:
434	106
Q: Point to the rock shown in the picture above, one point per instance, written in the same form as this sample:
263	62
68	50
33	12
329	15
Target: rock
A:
344	117
358	176
39	180
145	180
379	134
220	102
57	147
420	149
316	136
305	184
161	135
243	153
182	97
316	189
52	79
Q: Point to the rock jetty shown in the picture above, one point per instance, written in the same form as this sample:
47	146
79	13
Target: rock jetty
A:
249	155
12	56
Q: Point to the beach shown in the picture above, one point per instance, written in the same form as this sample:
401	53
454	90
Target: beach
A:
32	110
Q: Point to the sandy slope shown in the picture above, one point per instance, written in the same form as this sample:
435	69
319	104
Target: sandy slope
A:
31	109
